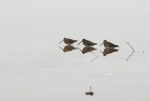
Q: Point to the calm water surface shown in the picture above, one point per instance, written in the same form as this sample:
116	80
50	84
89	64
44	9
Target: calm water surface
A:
38	69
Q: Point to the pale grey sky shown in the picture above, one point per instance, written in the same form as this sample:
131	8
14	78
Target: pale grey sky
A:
30	17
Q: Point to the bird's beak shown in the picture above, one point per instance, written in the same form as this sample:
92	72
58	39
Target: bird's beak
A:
79	42
101	44
61	41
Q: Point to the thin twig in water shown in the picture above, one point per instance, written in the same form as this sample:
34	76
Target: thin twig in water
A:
130	46
131	53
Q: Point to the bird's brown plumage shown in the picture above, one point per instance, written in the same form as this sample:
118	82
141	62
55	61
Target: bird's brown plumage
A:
109	44
68	41
87	42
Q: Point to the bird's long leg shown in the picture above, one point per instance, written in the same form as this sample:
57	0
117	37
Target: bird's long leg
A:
79	42
94	58
131	53
61	41
90	88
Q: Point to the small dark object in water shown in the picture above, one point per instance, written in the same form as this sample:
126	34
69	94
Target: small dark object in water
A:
89	93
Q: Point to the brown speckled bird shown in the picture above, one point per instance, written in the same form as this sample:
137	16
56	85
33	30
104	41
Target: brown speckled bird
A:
87	43
109	44
68	41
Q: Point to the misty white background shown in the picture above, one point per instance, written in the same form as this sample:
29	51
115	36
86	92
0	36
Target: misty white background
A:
34	68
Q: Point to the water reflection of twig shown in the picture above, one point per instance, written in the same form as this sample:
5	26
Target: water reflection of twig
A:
131	53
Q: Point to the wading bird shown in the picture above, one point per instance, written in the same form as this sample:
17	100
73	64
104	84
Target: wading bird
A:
109	44
87	43
68	41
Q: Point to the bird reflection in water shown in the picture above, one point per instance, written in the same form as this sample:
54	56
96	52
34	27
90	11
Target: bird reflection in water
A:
88	49
109	51
89	93
68	48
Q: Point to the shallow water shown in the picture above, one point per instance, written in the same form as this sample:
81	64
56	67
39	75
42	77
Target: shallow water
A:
38	69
